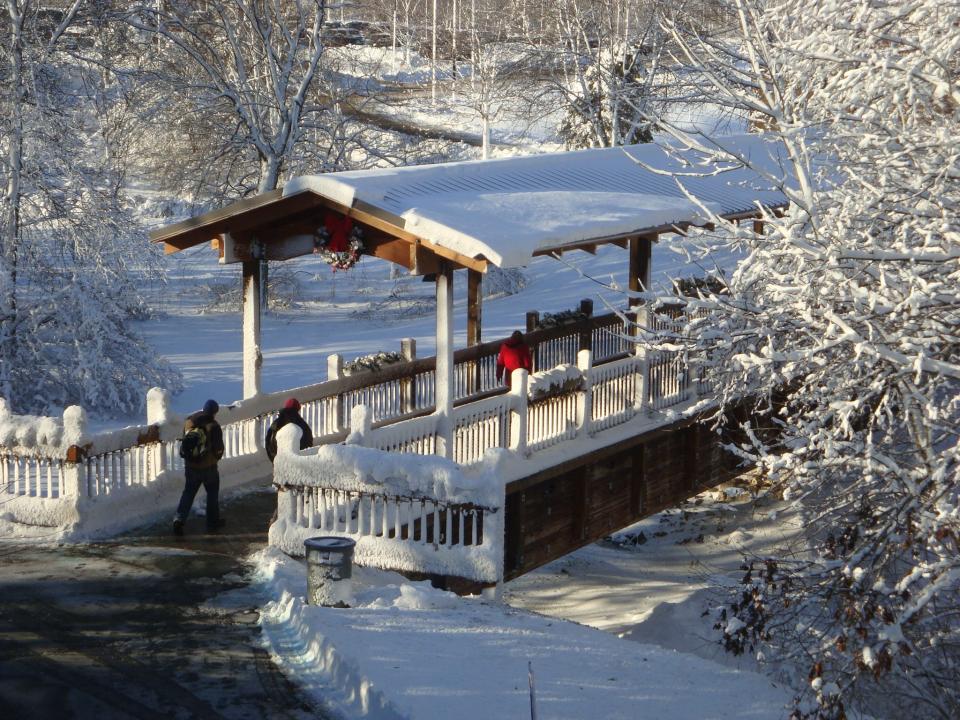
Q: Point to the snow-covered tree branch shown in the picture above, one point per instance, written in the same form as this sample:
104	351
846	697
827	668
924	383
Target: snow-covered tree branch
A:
844	322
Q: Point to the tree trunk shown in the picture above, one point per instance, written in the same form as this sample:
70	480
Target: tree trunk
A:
10	236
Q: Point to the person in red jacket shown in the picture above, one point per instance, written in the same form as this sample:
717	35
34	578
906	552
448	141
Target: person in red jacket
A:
513	354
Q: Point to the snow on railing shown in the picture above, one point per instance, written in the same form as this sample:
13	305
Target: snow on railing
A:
51	460
408	514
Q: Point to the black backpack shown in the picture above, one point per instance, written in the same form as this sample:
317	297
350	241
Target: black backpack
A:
193	444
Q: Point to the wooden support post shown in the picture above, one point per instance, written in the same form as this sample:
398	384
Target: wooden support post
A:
444	372
252	359
533	320
586	325
641	253
408	397
474	325
474	306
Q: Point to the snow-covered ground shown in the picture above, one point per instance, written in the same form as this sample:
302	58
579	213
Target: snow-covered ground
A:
619	629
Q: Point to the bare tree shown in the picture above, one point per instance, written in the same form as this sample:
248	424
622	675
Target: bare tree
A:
251	65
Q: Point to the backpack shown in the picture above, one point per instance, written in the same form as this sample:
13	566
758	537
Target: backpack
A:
193	444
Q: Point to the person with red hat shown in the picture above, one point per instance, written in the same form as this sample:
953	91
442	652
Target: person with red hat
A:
289	414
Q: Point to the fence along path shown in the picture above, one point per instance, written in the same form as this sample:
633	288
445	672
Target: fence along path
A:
401	397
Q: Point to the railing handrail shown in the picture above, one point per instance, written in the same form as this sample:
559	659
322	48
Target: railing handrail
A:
253	408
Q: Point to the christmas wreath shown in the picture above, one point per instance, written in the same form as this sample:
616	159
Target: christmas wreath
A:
339	242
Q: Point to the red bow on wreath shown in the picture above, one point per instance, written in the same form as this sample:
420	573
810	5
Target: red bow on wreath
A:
338	227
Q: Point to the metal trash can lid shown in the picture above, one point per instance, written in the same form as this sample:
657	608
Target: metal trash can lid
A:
329	543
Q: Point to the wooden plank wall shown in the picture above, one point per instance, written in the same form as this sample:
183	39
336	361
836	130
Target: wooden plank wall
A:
563	508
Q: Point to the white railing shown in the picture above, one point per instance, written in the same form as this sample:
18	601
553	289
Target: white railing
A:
348	491
609	395
479	426
668	379
27	476
617	390
551	421
418	435
52	463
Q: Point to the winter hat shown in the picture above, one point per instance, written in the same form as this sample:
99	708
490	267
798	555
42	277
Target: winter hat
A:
292	404
210	407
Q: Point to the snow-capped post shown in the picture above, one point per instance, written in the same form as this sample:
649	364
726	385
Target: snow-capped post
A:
74	437
519	383
335	372
585	397
288	439
408	348
444	371
159	414
158	406
252	359
361	420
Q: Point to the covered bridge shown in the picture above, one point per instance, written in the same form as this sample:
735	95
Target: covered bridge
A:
517	477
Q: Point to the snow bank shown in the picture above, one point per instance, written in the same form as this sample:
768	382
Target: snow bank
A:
407	650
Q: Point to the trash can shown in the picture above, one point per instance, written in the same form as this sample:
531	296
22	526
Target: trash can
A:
329	570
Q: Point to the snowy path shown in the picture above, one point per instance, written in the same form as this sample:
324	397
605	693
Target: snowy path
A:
127	629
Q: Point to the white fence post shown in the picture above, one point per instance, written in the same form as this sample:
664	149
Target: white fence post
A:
71	474
585	398
643	379
361	419
518	420
335	372
408	393
159	414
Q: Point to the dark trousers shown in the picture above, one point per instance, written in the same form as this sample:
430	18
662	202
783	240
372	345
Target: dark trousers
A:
209	477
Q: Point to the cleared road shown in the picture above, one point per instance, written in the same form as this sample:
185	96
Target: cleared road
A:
134	628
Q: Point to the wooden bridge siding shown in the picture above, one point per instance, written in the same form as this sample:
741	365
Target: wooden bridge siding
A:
556	511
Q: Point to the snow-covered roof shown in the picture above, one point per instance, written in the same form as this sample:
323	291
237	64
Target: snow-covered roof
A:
506	210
